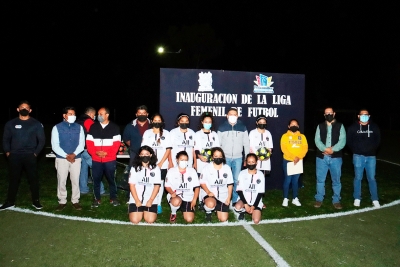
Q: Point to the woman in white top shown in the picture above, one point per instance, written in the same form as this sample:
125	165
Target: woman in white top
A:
205	139
217	181
250	189
159	140
182	140
261	139
182	185
144	182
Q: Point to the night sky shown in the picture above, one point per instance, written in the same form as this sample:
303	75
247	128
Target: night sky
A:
63	53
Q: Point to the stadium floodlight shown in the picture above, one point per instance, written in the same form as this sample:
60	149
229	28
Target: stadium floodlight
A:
161	50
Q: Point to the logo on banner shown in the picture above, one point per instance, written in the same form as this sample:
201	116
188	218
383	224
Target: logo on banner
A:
263	84
205	82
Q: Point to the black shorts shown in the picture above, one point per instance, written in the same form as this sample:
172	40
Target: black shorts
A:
163	174
220	205
185	206
133	208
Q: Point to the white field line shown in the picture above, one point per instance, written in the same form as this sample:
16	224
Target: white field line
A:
266	246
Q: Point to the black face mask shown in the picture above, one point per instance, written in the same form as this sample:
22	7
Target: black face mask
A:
262	126
294	128
329	117
24	112
145	159
157	124
142	118
218	161
184	125
251	166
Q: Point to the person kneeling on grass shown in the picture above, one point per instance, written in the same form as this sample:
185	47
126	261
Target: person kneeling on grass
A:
217	181
144	182
182	185
250	189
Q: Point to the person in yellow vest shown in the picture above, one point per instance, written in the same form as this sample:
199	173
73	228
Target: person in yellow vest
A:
294	147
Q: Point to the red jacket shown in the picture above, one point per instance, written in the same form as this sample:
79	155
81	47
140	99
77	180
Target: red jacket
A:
106	139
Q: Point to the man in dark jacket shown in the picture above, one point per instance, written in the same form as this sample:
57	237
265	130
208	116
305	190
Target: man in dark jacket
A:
363	138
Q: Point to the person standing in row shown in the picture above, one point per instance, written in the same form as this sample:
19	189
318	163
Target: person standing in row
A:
363	138
182	140
205	139
103	142
23	140
261	144
67	142
294	147
330	139
234	140
86	121
159	140
133	132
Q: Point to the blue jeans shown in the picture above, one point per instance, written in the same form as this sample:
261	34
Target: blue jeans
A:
369	164
108	169
290	179
86	163
334	165
236	166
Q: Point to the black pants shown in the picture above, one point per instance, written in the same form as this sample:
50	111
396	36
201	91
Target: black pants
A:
18	162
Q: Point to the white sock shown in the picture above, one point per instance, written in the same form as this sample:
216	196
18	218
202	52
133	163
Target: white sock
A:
173	208
207	209
239	211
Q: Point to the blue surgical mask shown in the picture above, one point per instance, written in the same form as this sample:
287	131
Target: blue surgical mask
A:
207	126
100	118
364	118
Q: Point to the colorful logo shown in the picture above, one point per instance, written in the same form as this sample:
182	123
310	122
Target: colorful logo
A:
263	84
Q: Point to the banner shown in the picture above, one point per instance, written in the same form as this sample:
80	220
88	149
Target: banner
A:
278	96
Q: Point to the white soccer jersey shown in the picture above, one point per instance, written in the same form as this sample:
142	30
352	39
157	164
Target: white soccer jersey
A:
251	185
183	184
205	140
217	181
150	139
258	140
182	141
144	182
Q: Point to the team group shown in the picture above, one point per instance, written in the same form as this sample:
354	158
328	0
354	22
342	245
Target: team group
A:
205	166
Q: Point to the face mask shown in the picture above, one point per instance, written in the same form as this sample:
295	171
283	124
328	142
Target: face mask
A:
100	118
183	164
218	161
232	119
24	112
94	118
329	117
184	125
261	126
364	118
251	166
293	128
145	159
71	119
142	118
157	124
207	126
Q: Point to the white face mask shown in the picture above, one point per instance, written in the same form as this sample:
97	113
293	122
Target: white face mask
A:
183	164
71	119
232	119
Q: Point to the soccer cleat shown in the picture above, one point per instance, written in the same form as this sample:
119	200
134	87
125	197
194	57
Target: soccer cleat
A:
60	207
77	206
356	203
296	202
114	202
7	205
208	217
241	216
96	203
172	218
376	204
285	202
159	209
36	204
201	205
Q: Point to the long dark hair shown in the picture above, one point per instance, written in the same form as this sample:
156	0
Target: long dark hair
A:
137	161
220	150
205	115
180	115
162	126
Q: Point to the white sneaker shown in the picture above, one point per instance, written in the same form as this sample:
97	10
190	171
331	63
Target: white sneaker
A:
285	202
376	204
357	203
296	202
